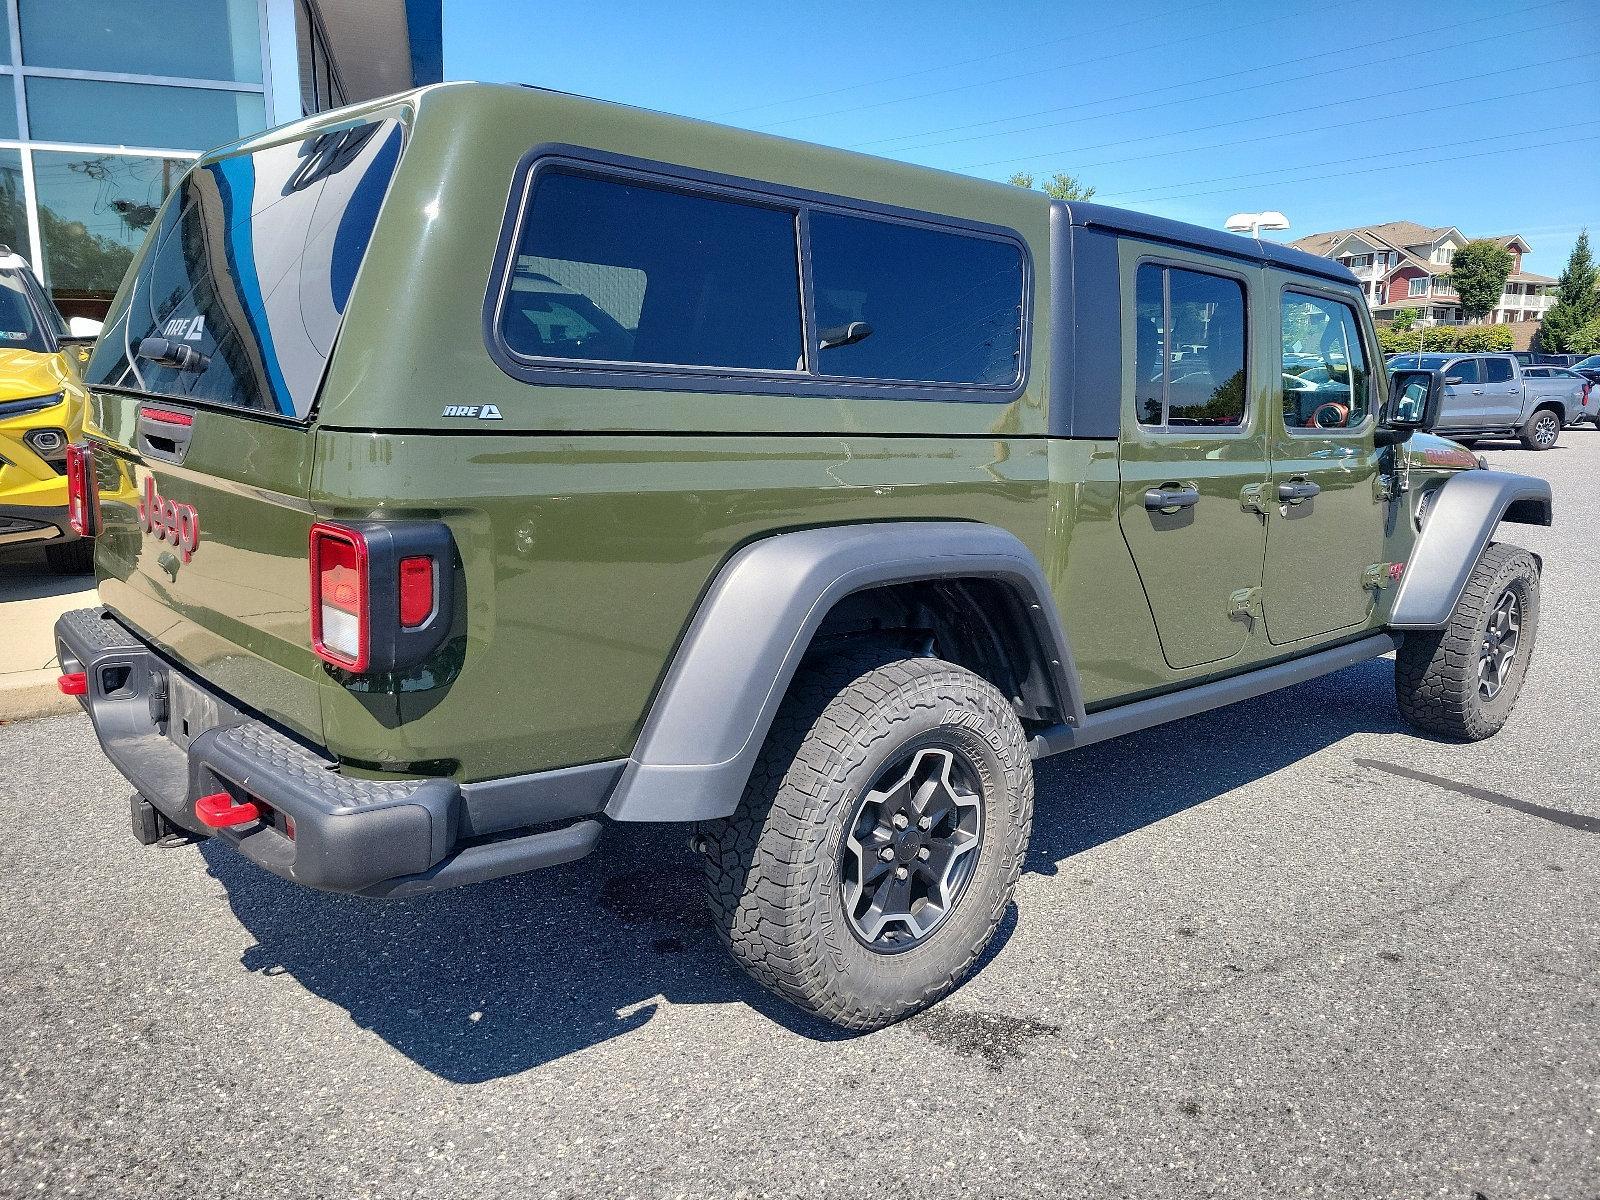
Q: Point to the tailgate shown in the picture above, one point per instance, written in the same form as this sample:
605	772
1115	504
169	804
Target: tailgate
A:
207	557
204	385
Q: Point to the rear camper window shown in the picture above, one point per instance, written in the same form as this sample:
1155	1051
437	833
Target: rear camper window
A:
245	280
942	307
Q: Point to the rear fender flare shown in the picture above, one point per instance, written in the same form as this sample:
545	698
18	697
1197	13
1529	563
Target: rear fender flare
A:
754	625
1461	521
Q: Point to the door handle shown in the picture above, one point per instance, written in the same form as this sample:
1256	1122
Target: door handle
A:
1171	499
1297	490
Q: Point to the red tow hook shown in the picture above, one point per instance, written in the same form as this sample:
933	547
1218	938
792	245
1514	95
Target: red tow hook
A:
218	811
74	684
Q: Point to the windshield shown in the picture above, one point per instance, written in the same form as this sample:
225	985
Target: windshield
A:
1593	361
19	325
244	282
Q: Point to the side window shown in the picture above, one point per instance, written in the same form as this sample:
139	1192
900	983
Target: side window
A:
904	302
1326	383
1535	373
1189	349
1497	370
619	271
1463	371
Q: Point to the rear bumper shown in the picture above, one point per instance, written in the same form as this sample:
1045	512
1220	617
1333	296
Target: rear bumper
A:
24	523
316	826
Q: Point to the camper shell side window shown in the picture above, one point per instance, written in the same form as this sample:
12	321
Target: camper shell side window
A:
615	272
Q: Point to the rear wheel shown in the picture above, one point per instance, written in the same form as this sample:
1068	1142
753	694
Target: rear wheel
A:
876	847
1542	430
72	558
1462	681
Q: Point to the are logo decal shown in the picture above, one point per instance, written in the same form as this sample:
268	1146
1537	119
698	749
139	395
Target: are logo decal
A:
185	329
482	412
178	524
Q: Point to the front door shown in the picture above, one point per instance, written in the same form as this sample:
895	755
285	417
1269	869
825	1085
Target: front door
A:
1325	532
1190	446
1502	393
1464	405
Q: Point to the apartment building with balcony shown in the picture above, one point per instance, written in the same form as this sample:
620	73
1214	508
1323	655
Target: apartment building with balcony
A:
1405	265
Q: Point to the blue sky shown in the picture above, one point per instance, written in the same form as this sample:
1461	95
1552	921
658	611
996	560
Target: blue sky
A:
1481	114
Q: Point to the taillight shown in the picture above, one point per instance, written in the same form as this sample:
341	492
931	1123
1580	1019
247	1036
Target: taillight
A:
80	489
341	617
382	592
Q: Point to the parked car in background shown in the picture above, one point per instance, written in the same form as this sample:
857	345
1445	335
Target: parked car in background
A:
1491	395
1558	381
41	414
1589	368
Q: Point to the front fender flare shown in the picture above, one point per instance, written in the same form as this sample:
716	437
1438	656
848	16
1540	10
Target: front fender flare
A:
1460	522
728	677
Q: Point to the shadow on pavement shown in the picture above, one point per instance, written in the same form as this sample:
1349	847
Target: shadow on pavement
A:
489	981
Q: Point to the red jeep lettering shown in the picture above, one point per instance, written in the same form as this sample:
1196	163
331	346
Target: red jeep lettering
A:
169	521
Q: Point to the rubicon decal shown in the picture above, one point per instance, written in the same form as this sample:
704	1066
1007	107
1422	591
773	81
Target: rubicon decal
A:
169	521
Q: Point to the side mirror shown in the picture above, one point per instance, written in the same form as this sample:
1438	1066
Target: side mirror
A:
82	331
1414	401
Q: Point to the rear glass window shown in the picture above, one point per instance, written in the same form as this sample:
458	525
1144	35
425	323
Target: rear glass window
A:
620	271
1189	361
937	306
245	279
19	325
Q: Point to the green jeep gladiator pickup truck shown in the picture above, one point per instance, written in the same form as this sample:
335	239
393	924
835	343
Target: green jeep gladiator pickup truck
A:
475	469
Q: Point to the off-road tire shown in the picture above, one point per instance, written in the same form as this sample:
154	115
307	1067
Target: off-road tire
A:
71	558
1436	672
773	868
1537	432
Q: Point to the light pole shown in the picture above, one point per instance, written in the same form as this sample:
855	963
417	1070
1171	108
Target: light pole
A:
1253	223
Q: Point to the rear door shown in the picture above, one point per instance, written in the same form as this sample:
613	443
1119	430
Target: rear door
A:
204	383
1329	506
1191	448
1502	392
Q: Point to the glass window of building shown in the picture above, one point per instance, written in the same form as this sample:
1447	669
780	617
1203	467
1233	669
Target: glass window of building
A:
190	39
13	210
94	212
140	114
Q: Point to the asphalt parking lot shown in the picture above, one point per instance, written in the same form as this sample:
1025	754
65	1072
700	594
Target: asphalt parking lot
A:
1287	948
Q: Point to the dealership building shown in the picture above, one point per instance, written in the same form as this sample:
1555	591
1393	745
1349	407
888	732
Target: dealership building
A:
104	102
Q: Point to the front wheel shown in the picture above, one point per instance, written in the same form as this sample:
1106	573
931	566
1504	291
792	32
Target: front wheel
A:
875	849
1542	430
1462	681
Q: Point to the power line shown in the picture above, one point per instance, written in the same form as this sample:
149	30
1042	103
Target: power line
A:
946	66
1427	162
1350	66
1549	62
1493	137
1366	120
1143	49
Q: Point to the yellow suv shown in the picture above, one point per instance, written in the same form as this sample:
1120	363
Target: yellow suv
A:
42	405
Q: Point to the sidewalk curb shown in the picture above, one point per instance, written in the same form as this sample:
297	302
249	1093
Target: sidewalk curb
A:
28	694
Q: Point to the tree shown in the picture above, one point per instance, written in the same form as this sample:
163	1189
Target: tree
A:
1480	270
1406	318
1577	303
1059	186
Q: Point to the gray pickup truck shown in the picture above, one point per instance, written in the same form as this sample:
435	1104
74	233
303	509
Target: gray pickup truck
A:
1490	395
